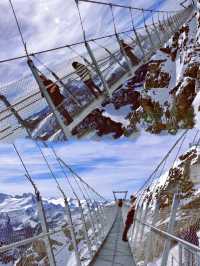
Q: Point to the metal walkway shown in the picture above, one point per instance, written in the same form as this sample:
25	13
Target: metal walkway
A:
114	251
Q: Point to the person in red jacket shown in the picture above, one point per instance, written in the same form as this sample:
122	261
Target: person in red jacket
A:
129	218
56	97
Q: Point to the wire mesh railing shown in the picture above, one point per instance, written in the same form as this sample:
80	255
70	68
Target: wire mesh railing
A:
31	244
106	57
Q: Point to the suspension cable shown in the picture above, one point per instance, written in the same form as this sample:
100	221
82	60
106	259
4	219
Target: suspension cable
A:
80	178
62	169
176	156
112	55
48	165
81	21
18	26
72	171
64	46
27	175
81	42
124	6
194	139
158	166
179	149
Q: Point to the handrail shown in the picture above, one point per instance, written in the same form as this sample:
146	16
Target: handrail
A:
170	236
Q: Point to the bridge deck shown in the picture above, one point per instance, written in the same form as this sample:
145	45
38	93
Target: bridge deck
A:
114	251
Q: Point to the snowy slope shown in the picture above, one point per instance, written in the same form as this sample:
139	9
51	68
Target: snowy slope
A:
19	220
158	98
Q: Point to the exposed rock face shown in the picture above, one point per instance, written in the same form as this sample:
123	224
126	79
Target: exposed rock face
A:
103	125
155	77
159	97
184	97
192	70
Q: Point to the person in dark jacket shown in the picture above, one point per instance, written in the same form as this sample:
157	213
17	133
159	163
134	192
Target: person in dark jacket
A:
84	73
56	97
129	218
128	50
120	203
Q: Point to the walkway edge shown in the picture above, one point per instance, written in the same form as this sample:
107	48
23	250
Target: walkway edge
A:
106	237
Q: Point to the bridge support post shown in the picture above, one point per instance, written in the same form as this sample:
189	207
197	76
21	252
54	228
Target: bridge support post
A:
124	54
157	33
149	36
180	255
98	71
167	33
22	122
175	23
178	21
72	231
45	230
143	220
149	249
137	226
99	220
170	230
101	215
170	25
136	34
133	227
85	229
48	99
92	224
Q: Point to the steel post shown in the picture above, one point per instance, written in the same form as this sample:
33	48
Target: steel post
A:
85	229
149	248
149	36
172	220
143	220
98	71
45	230
48	99
137	227
180	255
72	231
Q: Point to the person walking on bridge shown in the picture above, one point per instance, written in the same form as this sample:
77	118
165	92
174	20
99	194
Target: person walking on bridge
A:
86	76
56	97
129	218
129	52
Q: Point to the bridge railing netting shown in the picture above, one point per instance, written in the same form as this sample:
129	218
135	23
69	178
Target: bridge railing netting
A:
25	239
166	230
34	116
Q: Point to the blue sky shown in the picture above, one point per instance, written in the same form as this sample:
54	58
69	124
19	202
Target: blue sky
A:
106	165
48	23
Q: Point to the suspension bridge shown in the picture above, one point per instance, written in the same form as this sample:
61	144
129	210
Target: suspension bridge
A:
93	233
27	107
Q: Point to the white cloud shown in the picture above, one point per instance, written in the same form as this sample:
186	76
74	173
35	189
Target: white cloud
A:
46	24
106	165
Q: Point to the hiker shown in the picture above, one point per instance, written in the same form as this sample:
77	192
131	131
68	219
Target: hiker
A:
129	218
190	236
85	74
120	203
128	50
56	97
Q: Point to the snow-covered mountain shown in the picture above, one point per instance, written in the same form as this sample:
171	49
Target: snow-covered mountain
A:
183	177
19	220
162	96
